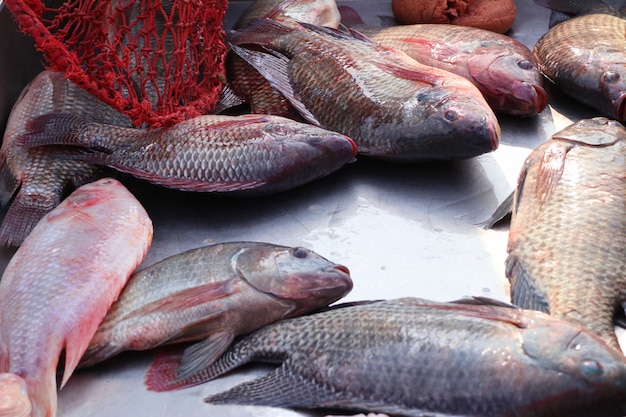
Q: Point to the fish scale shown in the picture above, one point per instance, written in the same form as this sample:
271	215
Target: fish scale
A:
415	357
568	228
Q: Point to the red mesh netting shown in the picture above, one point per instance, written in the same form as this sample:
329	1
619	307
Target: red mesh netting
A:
158	61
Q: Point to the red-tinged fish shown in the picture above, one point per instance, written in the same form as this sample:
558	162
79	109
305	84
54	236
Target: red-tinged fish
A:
319	12
252	154
503	69
14	401
392	106
567	239
34	181
216	293
585	57
415	357
60	283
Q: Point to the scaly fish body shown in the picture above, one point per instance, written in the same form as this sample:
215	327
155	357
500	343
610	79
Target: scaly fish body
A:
567	238
59	284
319	12
217	292
414	357
503	69
251	154
585	58
35	179
392	106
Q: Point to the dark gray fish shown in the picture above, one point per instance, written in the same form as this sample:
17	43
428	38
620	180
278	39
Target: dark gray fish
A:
216	292
414	357
34	181
252	154
585	57
567	238
392	106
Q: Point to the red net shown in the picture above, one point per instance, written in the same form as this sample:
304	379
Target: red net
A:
158	61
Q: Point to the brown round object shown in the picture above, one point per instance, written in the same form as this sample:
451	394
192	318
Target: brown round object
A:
494	15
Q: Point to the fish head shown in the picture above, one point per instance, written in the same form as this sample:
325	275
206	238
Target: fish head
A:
317	12
509	80
442	125
14	399
298	275
596	132
613	85
578	356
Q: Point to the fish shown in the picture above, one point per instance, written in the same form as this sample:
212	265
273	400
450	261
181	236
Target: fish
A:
416	357
247	154
585	58
391	106
216	293
243	81
503	69
567	233
33	181
14	401
60	283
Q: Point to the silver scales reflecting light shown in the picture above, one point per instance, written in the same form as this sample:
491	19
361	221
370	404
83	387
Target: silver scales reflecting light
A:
403	230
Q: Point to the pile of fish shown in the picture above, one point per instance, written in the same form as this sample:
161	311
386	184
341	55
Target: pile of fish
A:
310	88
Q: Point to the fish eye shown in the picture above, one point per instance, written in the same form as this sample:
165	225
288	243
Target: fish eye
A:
451	115
591	369
525	65
611	76
300	252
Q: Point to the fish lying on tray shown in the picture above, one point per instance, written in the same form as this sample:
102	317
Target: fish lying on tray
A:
248	154
567	239
503	69
58	286
392	106
414	357
585	57
34	181
216	293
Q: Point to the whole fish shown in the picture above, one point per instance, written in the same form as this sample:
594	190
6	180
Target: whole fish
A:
567	238
254	154
244	81
585	58
503	69
60	283
415	357
392	106
216	293
34	181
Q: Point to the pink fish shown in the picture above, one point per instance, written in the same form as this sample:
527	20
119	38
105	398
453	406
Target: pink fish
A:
59	285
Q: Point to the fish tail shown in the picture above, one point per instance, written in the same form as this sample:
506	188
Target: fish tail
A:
14	399
162	373
8	183
53	129
20	219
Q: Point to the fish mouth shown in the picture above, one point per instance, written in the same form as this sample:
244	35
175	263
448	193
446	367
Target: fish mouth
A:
342	268
541	99
494	134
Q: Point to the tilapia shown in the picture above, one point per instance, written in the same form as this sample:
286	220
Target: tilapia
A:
585	58
251	154
503	69
319	12
414	357
392	106
33	181
216	293
59	284
567	238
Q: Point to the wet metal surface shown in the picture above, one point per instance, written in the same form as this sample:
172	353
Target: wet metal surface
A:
403	230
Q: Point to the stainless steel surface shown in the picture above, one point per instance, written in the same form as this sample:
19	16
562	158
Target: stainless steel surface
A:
403	230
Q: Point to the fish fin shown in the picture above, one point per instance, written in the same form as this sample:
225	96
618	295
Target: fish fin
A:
524	293
20	219
349	16
348	34
483	301
274	67
409	73
8	183
259	32
185	299
439	50
202	354
227	99
283	387
52	129
502	211
550	170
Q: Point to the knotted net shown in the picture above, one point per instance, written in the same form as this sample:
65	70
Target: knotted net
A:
158	61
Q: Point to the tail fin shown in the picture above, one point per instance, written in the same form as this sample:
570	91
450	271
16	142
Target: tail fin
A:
53	129
163	372
20	220
8	183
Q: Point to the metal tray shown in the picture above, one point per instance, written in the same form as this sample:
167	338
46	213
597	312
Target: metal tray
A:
402	229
